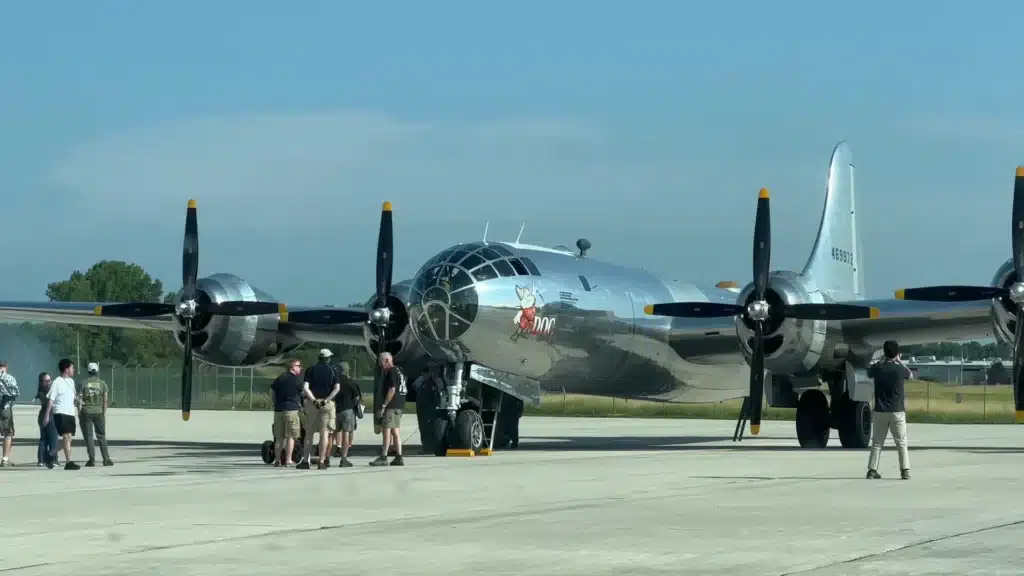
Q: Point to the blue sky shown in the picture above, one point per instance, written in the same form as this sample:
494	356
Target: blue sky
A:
647	130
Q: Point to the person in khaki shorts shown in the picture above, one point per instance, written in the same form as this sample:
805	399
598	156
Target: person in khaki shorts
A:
890	412
389	414
286	394
319	388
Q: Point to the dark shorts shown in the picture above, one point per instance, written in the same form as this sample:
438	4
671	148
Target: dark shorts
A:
346	420
6	422
65	424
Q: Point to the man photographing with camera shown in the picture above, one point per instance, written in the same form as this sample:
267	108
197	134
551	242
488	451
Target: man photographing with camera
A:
890	414
320	387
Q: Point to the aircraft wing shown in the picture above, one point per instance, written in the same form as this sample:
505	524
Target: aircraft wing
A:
81	313
84	314
910	322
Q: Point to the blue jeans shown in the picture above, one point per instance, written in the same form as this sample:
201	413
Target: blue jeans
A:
48	441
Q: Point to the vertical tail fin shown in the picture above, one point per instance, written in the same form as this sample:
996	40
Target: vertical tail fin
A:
835	263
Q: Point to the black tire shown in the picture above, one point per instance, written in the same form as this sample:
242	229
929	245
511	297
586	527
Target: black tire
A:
854	423
812	419
440	427
469	431
267	452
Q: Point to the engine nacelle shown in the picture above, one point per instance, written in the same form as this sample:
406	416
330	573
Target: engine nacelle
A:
235	340
1004	311
790	346
400	340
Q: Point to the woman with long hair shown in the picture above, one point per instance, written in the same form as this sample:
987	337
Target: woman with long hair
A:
47	452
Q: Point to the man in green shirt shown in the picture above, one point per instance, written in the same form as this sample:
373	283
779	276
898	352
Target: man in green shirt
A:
93	415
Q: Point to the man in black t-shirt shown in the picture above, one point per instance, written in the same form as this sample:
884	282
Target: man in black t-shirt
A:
345	407
286	394
890	413
389	414
320	386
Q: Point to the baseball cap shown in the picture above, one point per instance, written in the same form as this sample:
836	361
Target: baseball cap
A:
93	367
326	353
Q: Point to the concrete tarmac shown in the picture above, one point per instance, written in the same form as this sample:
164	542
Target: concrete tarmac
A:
580	496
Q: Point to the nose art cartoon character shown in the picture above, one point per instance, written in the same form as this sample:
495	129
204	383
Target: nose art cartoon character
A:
527	313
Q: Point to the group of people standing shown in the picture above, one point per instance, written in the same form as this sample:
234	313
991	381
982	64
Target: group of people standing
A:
60	403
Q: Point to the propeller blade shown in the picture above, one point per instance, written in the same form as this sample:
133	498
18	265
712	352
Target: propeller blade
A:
829	312
135	309
190	252
1017	232
951	293
756	380
243	308
1018	376
186	373
385	242
762	244
694	310
328	316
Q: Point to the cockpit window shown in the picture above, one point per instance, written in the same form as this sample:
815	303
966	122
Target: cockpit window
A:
484	273
458	255
489	254
472	261
529	266
501	250
520	269
504	268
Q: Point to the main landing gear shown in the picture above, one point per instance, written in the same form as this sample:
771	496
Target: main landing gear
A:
815	419
467	415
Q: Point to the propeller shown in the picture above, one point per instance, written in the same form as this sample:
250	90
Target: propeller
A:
190	306
1014	292
758	311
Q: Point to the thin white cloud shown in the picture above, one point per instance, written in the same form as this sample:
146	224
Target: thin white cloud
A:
337	164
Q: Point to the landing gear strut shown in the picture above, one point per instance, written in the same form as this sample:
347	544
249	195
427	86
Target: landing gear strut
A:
815	419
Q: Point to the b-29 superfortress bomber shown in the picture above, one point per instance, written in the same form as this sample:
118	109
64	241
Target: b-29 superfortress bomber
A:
507	318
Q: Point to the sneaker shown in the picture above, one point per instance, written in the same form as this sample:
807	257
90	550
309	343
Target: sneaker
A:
304	465
398	461
327	462
380	461
71	466
108	462
905	473
344	463
873	475
90	463
6	464
277	464
320	466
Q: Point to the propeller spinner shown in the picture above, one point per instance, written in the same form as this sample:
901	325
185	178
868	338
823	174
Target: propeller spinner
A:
1014	292
757	311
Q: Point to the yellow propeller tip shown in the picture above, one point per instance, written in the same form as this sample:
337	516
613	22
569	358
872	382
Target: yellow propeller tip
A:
649	309
763	193
192	204
387	206
900	294
755	429
1020	171
98	310
875	312
185	416
282	310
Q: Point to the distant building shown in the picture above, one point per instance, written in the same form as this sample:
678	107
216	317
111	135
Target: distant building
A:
977	372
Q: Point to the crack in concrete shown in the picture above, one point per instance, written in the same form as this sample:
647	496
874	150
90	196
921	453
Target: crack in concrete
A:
906	547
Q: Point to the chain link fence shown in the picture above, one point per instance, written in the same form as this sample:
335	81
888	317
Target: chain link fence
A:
217	388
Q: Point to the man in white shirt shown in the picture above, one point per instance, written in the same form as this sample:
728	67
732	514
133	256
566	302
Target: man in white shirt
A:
60	406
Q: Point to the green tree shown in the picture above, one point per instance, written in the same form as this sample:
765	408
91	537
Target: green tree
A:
111	281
